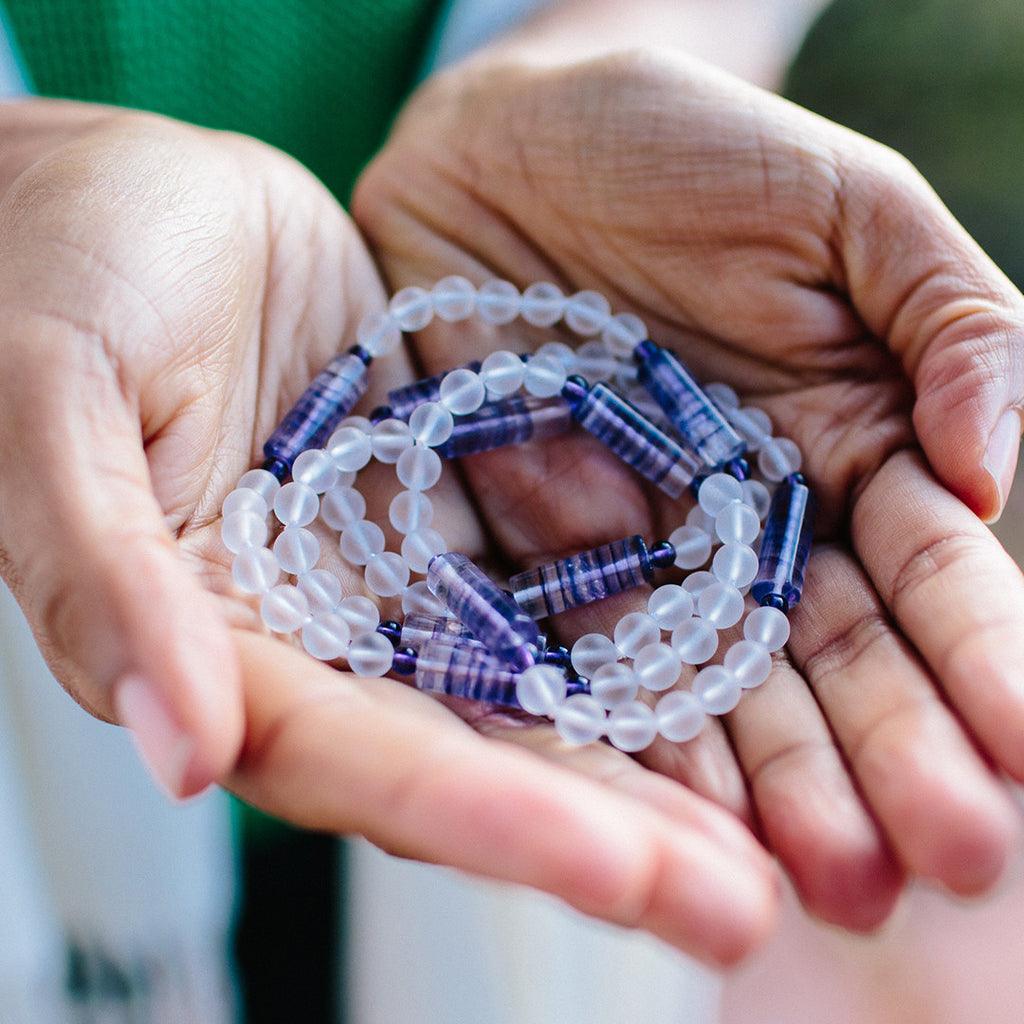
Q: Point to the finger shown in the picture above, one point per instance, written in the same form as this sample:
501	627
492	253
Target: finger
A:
954	592
920	281
377	758
946	816
124	622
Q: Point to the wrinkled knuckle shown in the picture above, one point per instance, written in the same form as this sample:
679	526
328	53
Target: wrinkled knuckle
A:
929	560
840	649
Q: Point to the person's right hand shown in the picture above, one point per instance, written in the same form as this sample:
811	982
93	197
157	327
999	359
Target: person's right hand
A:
167	293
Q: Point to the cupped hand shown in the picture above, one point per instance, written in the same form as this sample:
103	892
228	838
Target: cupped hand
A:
168	292
816	273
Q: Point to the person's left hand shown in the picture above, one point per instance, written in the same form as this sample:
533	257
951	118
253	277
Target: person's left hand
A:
817	273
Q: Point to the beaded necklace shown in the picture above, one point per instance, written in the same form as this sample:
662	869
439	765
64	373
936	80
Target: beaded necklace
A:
462	633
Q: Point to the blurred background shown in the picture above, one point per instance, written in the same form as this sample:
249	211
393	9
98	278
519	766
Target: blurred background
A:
115	907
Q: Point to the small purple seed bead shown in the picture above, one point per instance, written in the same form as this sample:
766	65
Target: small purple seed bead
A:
381	413
404	661
575	389
278	467
391	629
362	353
796	478
559	656
774	601
738	468
663	555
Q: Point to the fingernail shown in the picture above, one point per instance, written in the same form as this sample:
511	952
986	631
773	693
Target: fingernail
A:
163	747
1001	455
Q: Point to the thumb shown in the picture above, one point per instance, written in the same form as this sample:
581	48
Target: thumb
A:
124	622
956	323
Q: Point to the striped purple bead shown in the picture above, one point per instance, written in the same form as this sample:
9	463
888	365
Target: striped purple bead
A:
401	401
331	397
786	545
457	669
419	629
486	610
631	436
700	424
511	421
583	578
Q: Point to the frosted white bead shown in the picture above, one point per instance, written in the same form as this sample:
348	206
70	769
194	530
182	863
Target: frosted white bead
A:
360	541
346	478
722	395
316	469
255	570
632	726
540	689
580	719
420	546
454	298
412	308
502	374
462	392
737	523
543	304
296	550
720	605
614	683
322	589
296	504
749	662
717	491
778	458
419	468
387	574
591	651
697	582
544	376
418	599
767	626
350	448
693	546
389	439
752	424
326	636
244	499
717	689
498	302
263	482
243	529
657	666
410	510
635	630
695	641
587	312
670	606
622	333
699	518
595	362
735	564
379	334
431	424
370	655
360	423
284	608
680	716
565	354
361	614
758	497
341	507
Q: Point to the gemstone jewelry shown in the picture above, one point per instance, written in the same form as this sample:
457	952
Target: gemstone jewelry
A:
464	634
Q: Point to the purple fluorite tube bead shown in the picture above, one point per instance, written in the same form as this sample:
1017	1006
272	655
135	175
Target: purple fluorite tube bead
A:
700	424
487	611
631	436
465	670
583	578
332	396
511	421
786	544
403	400
418	629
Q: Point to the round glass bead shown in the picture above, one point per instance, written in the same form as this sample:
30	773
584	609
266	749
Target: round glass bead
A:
749	662
717	689
634	631
680	716
622	333
758	497
387	574
412	308
326	636
379	334
670	606
418	599
498	302
410	510
431	424
697	582
360	423
390	438
462	392
370	655
360	541
454	298
322	589
657	666
340	507
632	726
720	605
737	523
361	614
540	689
296	504
565	354
245	499
717	490
580	719
543	304
265	484
753	425
420	546
767	626
502	373
695	641
613	683
591	651
350	447
701	520
778	458
316	469
722	395
544	376
284	608
244	529
735	564
419	468
296	550
594	361
587	312
693	546
255	570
